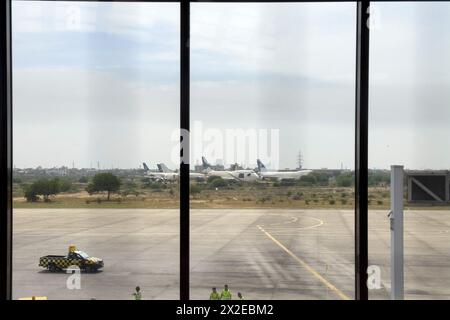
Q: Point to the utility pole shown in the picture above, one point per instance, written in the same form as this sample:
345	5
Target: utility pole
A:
396	223
300	160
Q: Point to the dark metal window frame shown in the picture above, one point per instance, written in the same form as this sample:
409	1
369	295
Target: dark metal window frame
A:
361	145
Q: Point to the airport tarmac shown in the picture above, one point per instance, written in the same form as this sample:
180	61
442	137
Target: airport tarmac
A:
265	254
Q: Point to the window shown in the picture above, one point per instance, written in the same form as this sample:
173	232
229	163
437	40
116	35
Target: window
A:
96	94
272	123
409	118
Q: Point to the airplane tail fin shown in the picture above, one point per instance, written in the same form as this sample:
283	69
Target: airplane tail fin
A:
261	166
205	163
146	168
163	168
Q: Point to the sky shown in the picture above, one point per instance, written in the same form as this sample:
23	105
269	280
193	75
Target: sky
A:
99	82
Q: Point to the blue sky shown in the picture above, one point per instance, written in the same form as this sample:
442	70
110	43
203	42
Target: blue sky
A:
100	81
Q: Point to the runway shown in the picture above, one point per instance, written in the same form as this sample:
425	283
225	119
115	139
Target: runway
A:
264	254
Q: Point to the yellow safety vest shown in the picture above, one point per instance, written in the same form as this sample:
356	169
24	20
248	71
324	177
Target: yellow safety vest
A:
137	296
214	296
225	295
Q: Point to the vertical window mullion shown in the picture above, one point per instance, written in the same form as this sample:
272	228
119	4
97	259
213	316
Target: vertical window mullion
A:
361	150
184	152
5	153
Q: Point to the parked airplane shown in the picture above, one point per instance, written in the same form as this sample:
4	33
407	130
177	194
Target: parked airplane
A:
280	175
163	176
163	168
192	175
238	175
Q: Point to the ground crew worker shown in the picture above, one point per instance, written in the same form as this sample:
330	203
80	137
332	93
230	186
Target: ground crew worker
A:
71	253
240	296
137	294
214	295
225	294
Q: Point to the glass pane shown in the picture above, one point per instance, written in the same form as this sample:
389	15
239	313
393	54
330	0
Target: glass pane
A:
274	82
409	116
96	94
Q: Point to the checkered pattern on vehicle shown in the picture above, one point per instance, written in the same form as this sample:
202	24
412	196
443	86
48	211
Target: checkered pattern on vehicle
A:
61	263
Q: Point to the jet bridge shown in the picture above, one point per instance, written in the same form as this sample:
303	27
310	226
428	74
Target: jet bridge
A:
428	186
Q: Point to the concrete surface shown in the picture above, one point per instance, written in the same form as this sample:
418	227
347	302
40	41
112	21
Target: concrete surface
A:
265	254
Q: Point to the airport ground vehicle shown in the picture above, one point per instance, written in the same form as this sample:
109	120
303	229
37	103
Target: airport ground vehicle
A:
76	258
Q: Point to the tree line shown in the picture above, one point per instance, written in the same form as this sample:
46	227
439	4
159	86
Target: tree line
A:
45	188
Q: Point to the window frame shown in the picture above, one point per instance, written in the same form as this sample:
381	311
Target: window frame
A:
361	144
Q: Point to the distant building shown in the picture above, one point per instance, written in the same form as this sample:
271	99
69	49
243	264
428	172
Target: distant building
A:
56	171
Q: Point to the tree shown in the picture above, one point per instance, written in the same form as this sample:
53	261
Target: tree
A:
106	182
378	178
44	187
322	178
308	180
47	188
17	180
64	184
30	193
83	180
345	180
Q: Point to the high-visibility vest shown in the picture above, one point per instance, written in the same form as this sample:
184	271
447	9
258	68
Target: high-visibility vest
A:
137	295
214	296
225	295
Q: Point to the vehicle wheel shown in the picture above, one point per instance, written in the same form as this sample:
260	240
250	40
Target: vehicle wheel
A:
52	267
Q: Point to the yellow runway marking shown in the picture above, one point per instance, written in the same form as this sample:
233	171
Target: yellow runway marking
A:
338	292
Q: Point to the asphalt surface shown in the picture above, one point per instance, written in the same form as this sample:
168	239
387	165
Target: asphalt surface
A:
265	254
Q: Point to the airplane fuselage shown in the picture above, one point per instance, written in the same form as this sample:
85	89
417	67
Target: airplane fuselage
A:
172	176
167	176
280	175
238	175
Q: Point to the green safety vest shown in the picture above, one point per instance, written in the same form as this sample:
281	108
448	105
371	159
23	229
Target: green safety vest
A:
225	295
214	296
137	295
